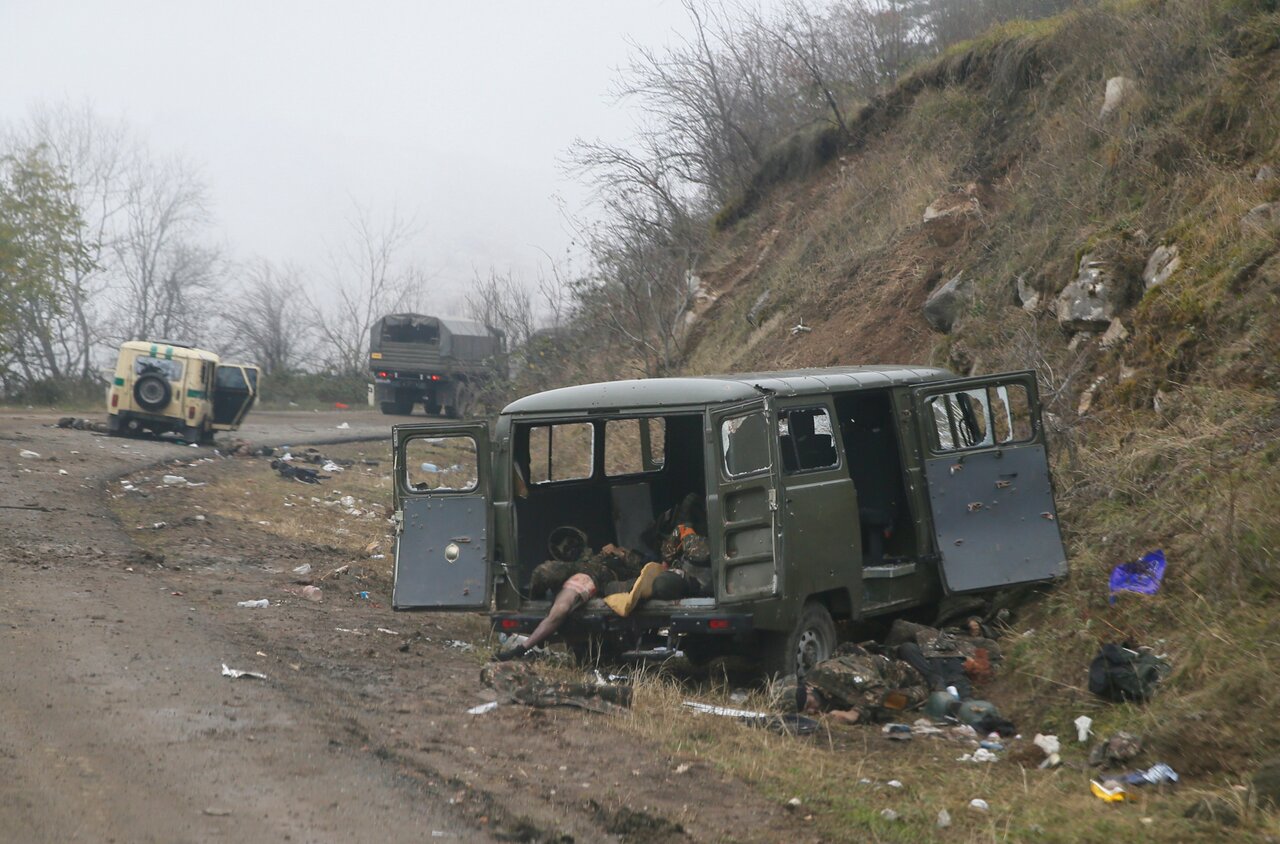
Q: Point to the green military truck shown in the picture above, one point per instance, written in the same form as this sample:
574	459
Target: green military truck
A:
831	494
437	362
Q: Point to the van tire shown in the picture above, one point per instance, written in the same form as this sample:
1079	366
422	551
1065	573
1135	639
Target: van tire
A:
152	392
810	641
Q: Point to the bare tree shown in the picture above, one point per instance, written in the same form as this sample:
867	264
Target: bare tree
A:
268	322
367	282
164	274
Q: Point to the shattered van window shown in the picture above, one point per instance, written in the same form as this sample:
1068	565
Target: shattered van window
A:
441	464
960	420
805	440
744	442
632	446
560	452
170	370
1010	412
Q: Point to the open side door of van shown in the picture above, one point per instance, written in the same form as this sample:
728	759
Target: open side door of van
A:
988	476
442	515
235	386
742	500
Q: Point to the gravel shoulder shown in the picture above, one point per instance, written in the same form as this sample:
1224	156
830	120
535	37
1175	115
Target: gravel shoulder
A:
117	723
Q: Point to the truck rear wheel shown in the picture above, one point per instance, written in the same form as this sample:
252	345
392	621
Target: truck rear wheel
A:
396	408
810	641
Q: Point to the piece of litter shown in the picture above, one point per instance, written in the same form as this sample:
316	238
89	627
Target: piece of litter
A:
344	426
683	768
29	455
174	480
979	755
1049	744
483	708
217	813
454	643
894	784
236	674
1083	723
63	472
723	710
793	803
889	814
305	568
944	819
330	466
1109	792
312	593
979	804
738	696
356	631
261	603
388	632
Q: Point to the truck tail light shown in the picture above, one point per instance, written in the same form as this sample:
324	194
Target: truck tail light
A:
718	624
115	399
382	375
509	624
435	377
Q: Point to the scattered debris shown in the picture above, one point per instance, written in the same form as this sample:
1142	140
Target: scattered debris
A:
1157	774
794	803
979	755
174	480
388	632
452	643
344	426
979	804
483	708
82	424
261	603
1120	748
312	593
1108	792
1083	723
889	815
301	474
303	569
236	674
29	455
944	819
1142	575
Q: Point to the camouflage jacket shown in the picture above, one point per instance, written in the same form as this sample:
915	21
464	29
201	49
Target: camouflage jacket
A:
869	683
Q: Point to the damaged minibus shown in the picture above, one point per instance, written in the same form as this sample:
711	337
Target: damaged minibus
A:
830	494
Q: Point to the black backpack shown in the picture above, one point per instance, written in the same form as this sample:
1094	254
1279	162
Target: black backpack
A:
1119	674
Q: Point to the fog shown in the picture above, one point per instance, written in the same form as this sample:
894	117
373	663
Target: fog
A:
456	115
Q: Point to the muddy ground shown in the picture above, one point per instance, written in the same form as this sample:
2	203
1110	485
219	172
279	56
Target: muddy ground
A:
116	723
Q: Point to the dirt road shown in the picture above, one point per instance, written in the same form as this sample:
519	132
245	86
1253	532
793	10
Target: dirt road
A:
116	723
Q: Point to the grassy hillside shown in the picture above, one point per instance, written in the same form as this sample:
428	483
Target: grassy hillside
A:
1178	444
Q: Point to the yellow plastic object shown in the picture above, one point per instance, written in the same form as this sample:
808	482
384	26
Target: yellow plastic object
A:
624	602
1114	794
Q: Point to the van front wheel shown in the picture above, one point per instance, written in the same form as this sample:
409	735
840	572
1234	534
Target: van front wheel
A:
810	641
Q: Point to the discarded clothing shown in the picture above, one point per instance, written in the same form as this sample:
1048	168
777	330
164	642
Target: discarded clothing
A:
300	474
1120	673
874	686
519	682
1157	774
1120	748
624	602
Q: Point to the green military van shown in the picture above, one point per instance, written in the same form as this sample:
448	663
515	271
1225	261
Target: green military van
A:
831	494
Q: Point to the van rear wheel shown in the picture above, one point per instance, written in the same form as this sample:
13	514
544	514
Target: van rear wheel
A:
810	641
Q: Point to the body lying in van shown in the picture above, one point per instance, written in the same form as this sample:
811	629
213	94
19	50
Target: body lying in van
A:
830	494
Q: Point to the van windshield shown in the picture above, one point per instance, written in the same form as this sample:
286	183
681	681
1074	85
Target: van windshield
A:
170	370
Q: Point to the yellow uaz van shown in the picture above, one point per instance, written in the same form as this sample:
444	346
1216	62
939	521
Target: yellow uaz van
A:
162	386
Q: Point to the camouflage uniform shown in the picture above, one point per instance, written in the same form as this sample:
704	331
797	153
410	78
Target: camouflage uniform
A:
518	682
603	569
863	681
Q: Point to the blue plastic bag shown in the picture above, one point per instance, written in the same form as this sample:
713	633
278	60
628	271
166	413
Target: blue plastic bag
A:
1142	575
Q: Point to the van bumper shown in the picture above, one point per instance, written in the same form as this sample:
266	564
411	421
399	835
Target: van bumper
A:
597	623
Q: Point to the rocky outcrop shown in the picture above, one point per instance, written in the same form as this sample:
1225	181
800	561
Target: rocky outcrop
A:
1162	264
1120	89
950	217
1261	217
1091	301
1028	296
944	304
1265	173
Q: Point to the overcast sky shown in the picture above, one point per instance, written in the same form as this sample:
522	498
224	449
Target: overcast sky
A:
456	113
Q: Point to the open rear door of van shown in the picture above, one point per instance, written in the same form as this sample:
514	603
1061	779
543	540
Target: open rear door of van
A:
443	518
742	507
987	471
235	386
